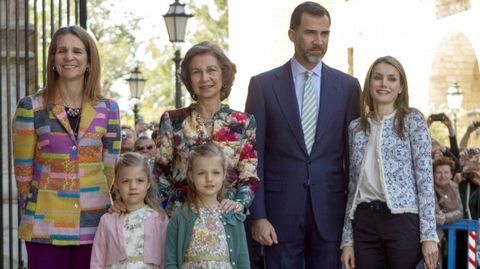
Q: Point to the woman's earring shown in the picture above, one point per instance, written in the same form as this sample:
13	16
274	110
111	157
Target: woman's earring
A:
87	69
54	69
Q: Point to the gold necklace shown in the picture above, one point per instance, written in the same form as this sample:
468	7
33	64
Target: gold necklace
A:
208	124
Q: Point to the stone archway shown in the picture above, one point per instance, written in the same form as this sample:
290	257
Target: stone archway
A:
455	60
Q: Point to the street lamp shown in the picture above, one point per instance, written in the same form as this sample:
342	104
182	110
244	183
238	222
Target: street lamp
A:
136	83
454	101
176	22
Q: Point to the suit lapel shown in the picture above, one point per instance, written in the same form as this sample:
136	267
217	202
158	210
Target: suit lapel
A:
87	117
284	90
327	103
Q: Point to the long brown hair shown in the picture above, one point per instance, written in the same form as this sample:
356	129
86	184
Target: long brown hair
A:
204	150
134	159
92	90
401	103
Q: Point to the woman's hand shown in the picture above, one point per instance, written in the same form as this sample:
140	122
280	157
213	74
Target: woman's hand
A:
430	254
348	257
118	207
228	205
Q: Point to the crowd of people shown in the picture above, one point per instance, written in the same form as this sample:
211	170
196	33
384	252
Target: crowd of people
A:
315	173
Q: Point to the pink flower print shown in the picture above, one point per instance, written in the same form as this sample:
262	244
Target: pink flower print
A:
240	117
211	225
224	134
247	152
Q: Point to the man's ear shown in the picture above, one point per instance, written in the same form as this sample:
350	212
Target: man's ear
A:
291	35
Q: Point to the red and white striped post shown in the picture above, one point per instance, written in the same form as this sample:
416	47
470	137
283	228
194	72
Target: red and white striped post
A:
472	250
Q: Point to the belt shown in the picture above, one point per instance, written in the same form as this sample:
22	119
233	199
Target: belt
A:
377	206
206	258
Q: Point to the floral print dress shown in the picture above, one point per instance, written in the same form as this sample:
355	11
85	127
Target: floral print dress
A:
180	130
208	248
134	233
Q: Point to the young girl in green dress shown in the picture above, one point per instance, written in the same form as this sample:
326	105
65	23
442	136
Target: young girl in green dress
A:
199	235
135	239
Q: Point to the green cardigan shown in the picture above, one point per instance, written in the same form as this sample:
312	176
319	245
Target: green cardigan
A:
179	235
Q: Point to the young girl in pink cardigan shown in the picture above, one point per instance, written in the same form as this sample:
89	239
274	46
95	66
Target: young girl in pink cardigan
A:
135	239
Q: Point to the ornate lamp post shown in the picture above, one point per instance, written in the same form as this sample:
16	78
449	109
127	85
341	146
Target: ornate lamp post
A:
454	101
176	22
136	83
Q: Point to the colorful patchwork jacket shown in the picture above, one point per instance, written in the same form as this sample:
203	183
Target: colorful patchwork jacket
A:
63	181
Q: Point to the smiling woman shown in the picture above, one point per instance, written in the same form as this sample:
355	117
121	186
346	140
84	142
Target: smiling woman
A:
208	76
66	139
391	184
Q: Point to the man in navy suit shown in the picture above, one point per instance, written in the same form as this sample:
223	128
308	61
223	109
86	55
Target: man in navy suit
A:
299	207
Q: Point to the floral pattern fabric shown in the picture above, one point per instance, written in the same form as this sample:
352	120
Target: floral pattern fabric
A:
233	131
208	248
134	233
408	175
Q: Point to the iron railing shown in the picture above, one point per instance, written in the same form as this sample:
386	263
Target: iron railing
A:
26	27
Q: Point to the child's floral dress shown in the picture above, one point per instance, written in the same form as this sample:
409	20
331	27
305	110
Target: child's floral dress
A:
208	248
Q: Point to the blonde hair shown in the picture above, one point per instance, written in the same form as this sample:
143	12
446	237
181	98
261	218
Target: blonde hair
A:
401	103
209	150
134	159
92	90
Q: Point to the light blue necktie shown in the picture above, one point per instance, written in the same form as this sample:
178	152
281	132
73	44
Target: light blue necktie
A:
309	112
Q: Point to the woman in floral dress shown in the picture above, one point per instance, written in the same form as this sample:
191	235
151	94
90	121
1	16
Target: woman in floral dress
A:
208	76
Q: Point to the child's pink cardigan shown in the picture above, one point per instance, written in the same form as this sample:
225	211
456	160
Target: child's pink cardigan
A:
109	243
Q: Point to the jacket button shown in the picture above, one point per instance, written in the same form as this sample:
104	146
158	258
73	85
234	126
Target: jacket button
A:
228	236
74	147
233	263
231	250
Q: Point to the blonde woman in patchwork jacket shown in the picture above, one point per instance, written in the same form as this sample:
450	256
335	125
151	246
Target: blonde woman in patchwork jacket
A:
390	215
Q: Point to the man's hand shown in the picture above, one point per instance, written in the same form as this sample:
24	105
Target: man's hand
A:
263	232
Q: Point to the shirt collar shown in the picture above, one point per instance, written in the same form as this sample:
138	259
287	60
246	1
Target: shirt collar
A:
386	117
298	69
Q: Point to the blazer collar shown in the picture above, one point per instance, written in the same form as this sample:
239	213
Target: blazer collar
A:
284	90
87	116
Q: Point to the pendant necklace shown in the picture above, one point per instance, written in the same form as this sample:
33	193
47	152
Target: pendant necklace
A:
71	111
208	124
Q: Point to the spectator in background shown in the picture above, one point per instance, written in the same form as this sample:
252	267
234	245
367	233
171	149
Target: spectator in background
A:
471	127
451	152
468	188
128	139
449	206
145	146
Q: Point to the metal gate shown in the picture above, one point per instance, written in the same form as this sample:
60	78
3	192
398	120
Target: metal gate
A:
26	27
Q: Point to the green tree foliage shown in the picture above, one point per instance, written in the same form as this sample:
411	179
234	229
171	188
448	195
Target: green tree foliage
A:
210	23
213	23
116	42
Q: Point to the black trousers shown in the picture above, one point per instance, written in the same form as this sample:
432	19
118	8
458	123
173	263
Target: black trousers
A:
385	240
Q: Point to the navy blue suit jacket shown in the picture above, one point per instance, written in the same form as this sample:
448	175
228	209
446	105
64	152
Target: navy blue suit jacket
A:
284	166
